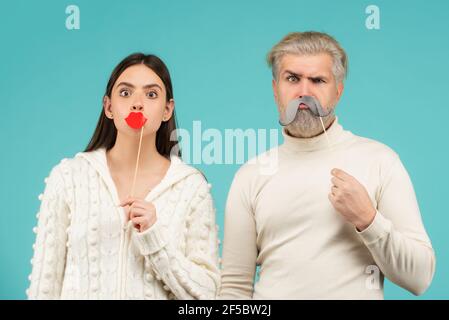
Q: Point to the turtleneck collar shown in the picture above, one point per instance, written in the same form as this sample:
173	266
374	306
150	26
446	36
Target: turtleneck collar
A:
335	133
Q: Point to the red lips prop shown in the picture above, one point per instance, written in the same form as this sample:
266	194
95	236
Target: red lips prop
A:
136	120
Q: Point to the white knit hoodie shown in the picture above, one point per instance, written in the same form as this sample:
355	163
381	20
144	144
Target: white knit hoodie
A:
85	250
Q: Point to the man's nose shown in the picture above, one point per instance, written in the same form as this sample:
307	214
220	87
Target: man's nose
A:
303	89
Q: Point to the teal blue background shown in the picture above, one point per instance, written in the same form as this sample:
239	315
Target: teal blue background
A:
52	81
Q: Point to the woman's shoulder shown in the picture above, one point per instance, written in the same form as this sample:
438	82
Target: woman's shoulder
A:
57	177
68	166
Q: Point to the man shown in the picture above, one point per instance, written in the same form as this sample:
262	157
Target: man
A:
339	213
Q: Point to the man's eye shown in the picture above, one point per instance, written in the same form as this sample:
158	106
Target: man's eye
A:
318	80
124	93
292	78
152	94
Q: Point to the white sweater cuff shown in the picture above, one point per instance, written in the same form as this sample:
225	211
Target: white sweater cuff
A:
151	240
379	228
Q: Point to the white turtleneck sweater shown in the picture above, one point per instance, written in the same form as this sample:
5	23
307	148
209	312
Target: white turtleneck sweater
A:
85	250
284	222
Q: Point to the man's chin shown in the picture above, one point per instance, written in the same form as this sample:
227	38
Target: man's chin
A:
301	132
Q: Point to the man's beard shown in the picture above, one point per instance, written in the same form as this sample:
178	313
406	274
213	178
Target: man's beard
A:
306	125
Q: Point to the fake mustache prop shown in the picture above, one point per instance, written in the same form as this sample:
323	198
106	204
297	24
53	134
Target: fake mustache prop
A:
293	108
312	104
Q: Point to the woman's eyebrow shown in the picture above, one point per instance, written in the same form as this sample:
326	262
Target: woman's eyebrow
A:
151	85
127	84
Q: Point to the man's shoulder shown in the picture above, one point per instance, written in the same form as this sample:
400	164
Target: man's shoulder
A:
263	165
374	148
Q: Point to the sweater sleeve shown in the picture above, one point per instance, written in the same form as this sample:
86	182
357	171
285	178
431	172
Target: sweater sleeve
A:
48	261
240	242
193	274
396	238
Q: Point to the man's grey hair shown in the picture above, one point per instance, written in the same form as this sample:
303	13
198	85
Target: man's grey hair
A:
310	43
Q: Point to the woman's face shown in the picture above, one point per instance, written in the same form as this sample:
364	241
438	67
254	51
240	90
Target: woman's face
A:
138	89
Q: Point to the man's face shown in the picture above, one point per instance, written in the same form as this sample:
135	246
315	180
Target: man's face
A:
307	75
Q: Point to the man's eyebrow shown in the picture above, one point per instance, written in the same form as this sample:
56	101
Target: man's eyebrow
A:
293	73
151	85
317	77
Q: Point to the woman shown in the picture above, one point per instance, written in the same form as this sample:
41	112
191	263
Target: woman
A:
94	240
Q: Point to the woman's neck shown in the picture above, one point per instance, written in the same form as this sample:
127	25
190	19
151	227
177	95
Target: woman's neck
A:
123	155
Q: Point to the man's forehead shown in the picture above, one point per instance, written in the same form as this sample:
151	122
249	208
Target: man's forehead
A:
307	64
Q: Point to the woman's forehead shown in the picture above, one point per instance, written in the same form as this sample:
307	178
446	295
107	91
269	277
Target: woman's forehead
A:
139	75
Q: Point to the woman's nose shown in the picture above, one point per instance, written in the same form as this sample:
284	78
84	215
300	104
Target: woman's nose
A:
137	107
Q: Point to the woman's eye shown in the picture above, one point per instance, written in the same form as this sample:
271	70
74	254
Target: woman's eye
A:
152	94
124	93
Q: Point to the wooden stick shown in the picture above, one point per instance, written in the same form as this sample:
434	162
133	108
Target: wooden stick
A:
327	138
137	163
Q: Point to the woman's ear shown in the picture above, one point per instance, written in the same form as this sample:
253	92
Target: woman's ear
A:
107	107
168	110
